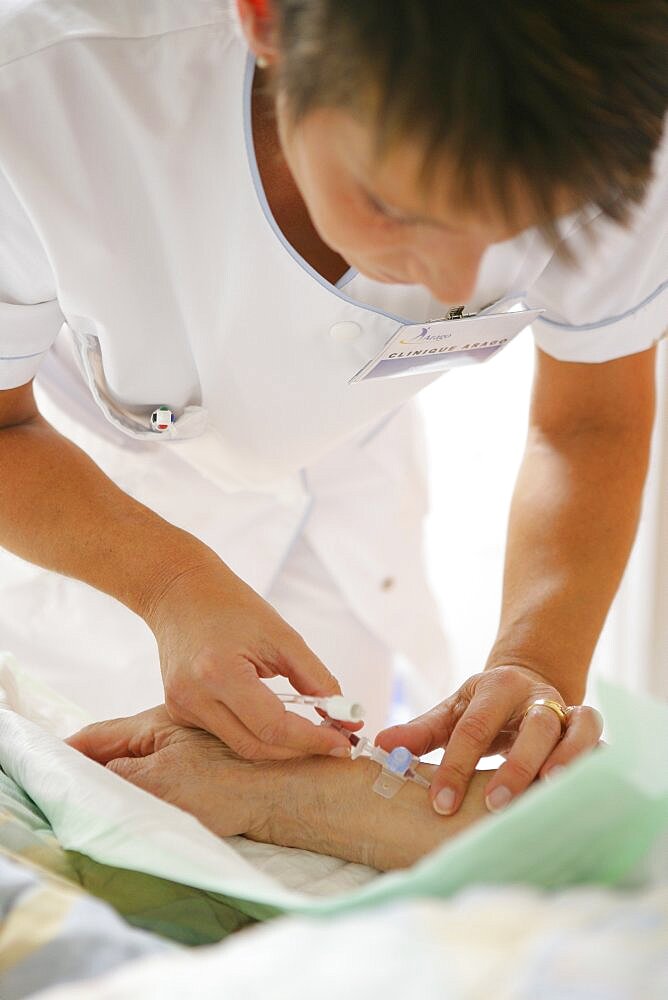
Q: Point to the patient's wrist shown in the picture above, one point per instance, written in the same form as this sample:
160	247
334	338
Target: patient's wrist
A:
329	806
314	807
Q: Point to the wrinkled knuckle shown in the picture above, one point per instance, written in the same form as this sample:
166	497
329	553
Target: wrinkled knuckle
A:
117	766
271	733
476	730
457	774
249	749
440	712
520	770
506	678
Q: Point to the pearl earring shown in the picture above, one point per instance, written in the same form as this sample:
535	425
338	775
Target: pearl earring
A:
261	62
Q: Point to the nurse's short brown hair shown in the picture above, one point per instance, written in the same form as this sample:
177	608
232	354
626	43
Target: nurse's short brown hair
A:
556	94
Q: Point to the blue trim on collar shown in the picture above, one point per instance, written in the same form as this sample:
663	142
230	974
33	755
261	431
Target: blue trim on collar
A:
610	319
22	357
351	273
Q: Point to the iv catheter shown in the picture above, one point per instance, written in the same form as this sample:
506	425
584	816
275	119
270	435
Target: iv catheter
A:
398	765
336	706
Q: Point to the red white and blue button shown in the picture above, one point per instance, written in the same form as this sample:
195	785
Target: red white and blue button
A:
162	419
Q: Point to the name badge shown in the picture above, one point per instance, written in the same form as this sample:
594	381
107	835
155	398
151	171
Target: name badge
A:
459	339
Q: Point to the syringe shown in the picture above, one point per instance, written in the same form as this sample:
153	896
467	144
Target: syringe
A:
336	706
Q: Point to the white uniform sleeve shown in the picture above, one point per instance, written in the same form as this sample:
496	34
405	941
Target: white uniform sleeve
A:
30	316
614	301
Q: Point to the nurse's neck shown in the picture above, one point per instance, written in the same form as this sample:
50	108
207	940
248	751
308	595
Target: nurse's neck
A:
286	203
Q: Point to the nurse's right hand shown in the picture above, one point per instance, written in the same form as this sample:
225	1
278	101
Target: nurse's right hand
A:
217	638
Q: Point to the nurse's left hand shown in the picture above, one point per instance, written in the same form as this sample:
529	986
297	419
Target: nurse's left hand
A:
487	716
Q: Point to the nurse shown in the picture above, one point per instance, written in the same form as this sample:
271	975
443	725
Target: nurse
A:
206	234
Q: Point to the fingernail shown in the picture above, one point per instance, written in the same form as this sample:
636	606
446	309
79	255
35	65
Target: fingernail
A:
497	800
444	803
340	752
554	772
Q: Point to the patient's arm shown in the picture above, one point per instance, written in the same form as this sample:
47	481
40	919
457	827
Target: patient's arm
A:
329	806
318	803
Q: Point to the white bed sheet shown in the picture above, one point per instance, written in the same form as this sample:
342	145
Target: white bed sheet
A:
485	944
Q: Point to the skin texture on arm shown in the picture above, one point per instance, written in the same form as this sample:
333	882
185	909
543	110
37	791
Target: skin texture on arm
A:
316	803
332	809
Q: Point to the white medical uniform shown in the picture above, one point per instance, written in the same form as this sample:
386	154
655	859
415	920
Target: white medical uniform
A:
140	265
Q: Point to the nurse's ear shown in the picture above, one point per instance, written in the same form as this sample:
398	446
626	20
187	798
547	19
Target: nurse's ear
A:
258	22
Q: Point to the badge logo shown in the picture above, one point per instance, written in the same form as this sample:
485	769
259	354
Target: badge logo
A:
426	337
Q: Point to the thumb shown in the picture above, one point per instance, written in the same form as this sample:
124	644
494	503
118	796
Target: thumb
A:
136	736
426	733
103	741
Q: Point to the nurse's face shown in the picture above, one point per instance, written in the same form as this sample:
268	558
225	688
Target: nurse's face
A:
378	217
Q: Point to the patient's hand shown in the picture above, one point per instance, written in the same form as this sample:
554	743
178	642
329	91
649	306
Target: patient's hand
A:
188	767
316	803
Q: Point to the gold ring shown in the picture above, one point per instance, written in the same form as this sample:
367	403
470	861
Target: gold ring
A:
562	712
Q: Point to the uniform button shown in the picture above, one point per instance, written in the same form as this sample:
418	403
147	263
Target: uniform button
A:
348	330
162	419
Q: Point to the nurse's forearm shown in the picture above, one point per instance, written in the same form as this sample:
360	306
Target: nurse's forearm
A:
58	510
216	637
572	523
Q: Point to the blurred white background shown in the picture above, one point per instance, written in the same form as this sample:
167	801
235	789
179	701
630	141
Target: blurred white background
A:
476	421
